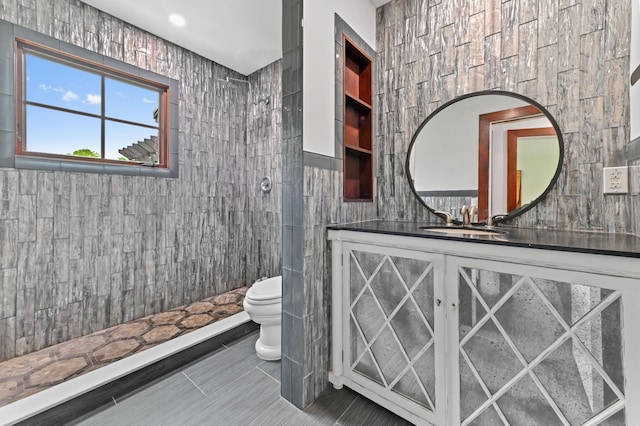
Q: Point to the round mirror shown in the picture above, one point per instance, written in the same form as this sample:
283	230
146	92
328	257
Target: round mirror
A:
499	151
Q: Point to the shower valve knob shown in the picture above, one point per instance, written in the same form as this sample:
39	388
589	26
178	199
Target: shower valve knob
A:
265	185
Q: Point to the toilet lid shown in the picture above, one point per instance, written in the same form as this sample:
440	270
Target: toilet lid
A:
268	289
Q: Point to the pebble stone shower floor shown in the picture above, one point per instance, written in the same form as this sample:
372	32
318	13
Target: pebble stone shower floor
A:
28	374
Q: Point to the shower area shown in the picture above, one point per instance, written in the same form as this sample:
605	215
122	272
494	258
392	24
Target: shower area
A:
83	253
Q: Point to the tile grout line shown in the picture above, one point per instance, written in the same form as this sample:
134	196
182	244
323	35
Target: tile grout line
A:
253	422
346	409
192	382
267	374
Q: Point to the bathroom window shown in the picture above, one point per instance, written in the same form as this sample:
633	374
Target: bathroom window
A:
69	108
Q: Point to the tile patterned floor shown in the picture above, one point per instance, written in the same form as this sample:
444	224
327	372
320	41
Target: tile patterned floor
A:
234	387
25	375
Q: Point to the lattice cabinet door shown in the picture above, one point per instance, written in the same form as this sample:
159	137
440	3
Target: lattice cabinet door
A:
540	346
393	317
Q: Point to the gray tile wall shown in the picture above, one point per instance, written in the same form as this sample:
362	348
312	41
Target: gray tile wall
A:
293	291
264	158
312	199
81	252
570	56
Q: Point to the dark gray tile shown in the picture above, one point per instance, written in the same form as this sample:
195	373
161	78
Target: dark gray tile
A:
7	149
6	76
298	303
319	161
281	413
285	377
122	66
81	52
287	203
116	169
37	163
272	368
293	327
287	246
153	405
36	37
6	40
238	403
366	413
7	118
223	368
296	384
246	345
329	406
326	410
297	244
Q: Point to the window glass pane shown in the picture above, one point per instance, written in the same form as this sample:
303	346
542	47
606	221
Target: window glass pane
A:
128	142
129	102
60	85
64	133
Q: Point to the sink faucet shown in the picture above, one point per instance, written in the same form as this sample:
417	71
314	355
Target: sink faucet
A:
491	222
448	217
468	214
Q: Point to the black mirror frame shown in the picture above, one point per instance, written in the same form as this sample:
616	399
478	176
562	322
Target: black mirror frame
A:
522	209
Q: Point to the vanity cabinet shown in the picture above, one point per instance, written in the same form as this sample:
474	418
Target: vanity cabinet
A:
387	330
454	333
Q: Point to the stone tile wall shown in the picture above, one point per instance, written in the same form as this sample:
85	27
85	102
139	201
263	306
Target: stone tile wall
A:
82	252
313	184
293	291
264	158
570	56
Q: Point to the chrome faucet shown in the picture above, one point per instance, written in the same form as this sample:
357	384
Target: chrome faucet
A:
491	222
448	217
468	214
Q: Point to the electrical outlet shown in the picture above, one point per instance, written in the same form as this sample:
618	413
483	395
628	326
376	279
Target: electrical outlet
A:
616	180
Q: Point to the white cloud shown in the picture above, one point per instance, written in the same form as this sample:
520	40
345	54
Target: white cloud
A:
70	96
147	101
47	88
93	99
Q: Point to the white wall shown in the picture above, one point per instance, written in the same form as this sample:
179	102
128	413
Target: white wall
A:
319	64
538	159
445	155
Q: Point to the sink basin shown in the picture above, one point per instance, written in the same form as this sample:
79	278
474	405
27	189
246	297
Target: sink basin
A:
457	230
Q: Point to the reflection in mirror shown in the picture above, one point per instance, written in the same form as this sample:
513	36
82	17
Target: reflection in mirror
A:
509	324
496	150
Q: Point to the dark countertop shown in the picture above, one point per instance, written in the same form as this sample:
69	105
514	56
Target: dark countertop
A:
625	245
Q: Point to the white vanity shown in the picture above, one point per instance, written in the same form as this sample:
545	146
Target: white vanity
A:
524	327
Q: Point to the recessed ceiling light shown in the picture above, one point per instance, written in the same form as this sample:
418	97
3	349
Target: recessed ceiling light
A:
177	20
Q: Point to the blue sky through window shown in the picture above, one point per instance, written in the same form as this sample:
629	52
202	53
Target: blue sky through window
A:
65	86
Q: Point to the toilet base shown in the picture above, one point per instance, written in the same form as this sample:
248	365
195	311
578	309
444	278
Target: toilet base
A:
268	346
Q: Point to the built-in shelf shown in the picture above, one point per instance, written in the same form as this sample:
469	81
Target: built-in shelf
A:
358	126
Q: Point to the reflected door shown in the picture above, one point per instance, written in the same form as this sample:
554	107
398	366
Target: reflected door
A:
529	153
486	154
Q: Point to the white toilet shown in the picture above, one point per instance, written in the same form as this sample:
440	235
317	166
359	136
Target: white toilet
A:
263	303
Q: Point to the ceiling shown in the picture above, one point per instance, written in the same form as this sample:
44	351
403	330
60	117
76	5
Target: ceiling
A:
244	35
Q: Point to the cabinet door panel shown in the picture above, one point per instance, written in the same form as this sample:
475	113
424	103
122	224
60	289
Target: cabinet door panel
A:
391	314
536	349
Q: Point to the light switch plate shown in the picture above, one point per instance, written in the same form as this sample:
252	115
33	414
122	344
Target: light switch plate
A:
616	180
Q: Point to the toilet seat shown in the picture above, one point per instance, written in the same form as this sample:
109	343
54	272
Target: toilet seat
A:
265	292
